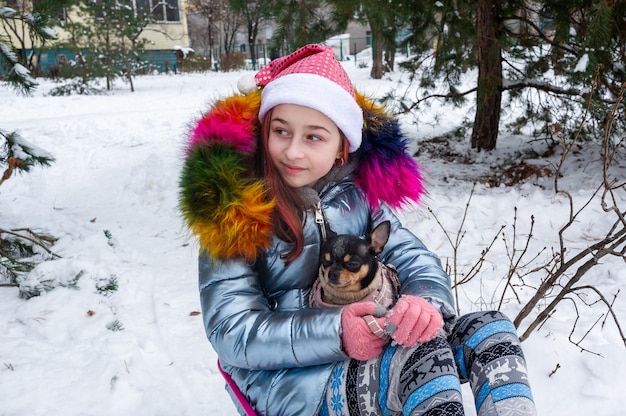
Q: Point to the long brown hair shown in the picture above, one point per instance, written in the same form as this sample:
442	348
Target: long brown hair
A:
289	210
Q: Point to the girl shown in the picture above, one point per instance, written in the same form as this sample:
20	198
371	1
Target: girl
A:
263	174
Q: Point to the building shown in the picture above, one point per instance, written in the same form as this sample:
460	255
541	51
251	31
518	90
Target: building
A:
166	39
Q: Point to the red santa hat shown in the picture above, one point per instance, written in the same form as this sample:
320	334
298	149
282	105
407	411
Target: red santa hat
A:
312	77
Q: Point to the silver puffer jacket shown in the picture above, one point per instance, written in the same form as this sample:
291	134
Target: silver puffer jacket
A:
279	351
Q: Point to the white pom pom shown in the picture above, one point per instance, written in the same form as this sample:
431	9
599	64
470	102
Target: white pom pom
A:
247	84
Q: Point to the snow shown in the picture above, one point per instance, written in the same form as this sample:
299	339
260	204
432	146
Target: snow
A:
21	70
582	64
111	199
21	144
8	52
185	51
7	12
49	33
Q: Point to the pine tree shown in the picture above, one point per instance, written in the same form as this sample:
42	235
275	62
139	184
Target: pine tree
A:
542	55
29	29
17	155
299	22
384	19
106	39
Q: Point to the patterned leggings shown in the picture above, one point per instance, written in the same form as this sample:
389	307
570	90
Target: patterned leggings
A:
483	349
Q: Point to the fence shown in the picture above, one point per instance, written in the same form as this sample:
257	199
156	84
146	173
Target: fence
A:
347	48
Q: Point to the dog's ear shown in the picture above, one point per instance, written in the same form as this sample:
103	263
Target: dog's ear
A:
379	236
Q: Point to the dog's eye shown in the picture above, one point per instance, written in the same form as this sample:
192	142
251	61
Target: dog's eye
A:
325	263
353	266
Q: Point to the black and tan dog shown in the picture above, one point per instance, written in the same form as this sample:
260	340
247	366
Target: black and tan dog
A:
351	272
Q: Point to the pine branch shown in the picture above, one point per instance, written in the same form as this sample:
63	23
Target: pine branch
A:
16	75
20	155
35	240
540	33
407	109
599	27
543	86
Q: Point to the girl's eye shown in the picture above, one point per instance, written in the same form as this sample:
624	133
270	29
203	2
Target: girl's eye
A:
314	138
280	132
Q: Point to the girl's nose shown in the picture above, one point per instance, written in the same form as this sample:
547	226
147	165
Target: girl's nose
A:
294	151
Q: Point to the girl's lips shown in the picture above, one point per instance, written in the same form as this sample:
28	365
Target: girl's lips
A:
292	169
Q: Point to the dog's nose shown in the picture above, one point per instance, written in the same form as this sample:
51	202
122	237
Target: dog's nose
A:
333	276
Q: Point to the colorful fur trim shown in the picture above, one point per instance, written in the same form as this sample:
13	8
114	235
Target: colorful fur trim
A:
386	172
224	208
230	212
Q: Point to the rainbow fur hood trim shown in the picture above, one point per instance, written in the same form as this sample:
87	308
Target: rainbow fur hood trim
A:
230	212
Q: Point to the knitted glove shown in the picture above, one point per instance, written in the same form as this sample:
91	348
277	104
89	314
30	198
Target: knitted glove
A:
357	321
413	319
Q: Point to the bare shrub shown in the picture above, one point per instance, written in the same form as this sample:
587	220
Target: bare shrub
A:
231	61
563	272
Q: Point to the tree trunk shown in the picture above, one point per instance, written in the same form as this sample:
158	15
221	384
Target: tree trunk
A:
252	34
211	41
82	62
126	54
489	89
390	46
376	26
109	52
377	58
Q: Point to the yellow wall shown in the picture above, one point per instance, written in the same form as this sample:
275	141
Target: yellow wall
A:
177	35
160	36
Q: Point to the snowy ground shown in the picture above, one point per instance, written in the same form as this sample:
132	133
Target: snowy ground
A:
111	199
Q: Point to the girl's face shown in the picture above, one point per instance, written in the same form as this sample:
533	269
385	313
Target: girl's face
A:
303	144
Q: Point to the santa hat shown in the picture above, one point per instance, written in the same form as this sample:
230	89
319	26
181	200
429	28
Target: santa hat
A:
312	77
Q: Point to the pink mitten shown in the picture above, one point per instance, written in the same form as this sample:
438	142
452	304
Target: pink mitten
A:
413	319
359	341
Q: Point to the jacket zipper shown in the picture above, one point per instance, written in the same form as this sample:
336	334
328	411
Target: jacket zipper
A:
319	215
319	219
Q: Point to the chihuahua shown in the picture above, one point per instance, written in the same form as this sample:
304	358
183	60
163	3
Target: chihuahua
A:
350	271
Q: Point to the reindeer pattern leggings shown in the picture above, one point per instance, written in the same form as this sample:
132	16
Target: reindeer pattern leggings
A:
483	349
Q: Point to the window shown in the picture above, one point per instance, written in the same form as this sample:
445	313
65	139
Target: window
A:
161	10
